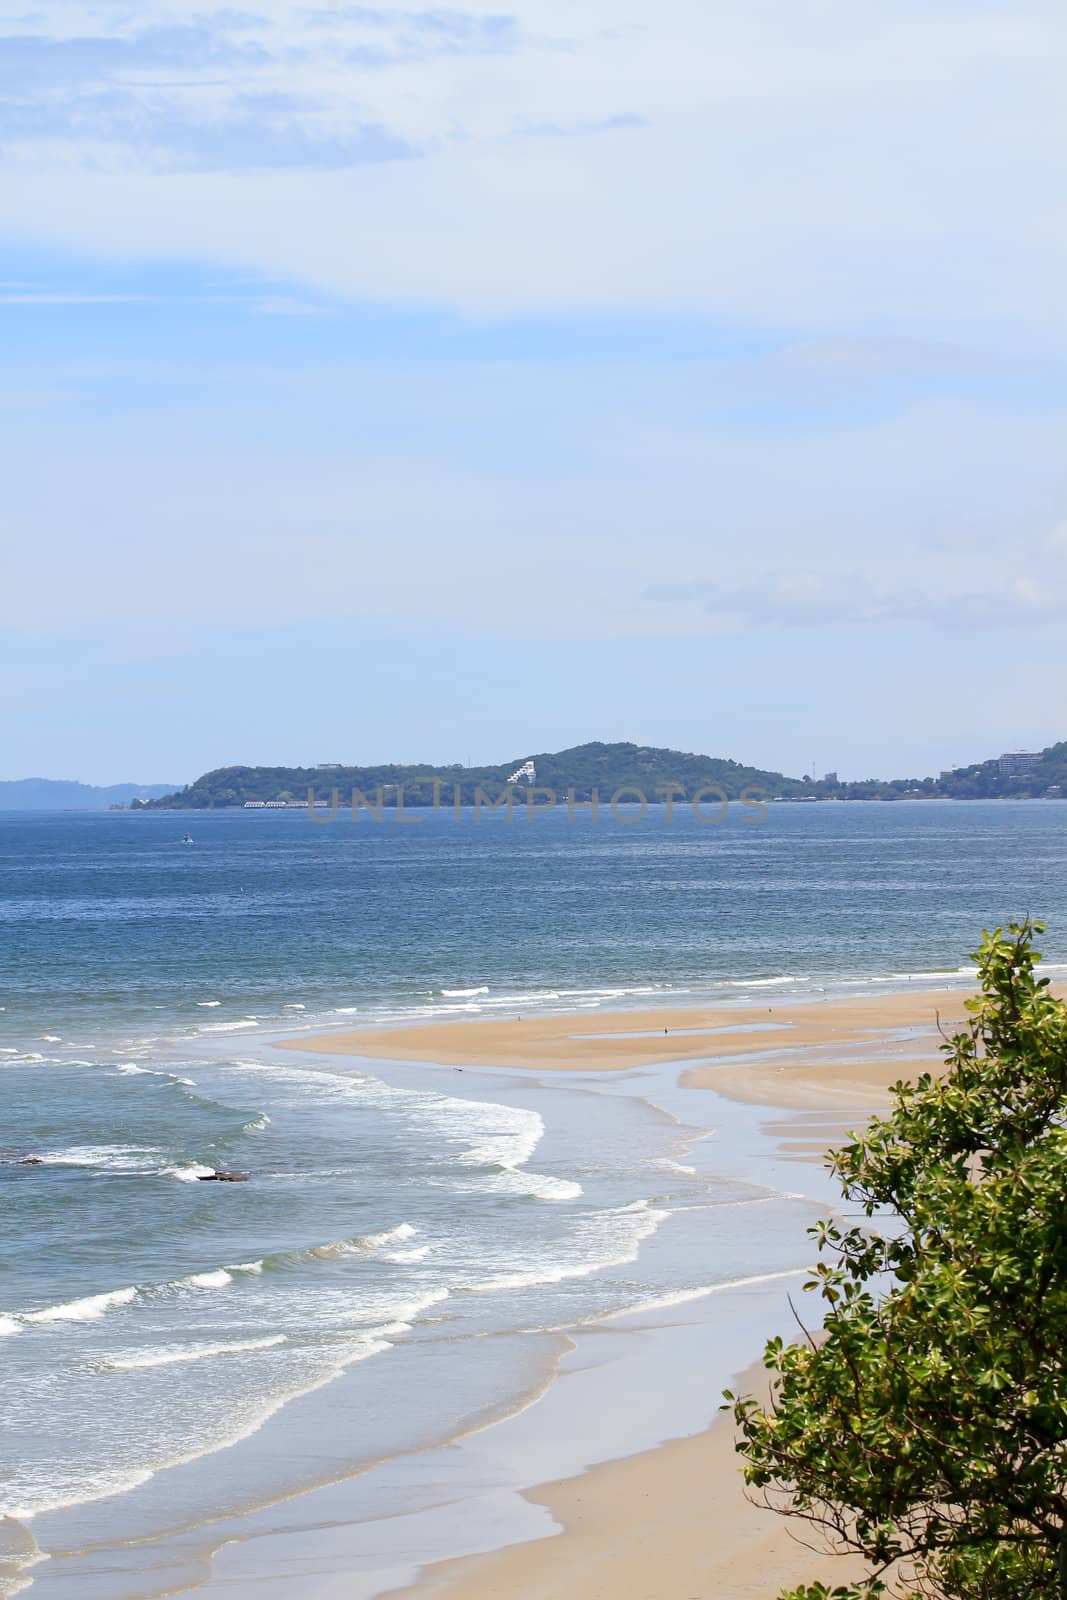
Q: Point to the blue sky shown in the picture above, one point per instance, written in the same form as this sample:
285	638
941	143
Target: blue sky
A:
456	382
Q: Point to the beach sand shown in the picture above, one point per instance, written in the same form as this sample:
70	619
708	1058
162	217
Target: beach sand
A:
671	1524
675	1523
835	1054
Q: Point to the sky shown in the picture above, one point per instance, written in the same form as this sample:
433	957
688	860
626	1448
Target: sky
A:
450	384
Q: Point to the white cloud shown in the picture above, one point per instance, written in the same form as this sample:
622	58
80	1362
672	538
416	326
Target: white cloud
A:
853	599
789	159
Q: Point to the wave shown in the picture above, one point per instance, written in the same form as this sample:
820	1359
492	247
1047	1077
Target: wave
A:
228	1027
110	1157
8	1326
189	1174
197	1352
130	1069
373	1241
90	1309
766	983
502	1158
465	994
358	1244
363	1345
559	1272
294	1005
402	1256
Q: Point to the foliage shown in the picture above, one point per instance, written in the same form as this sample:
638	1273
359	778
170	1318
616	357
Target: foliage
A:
606	768
927	1430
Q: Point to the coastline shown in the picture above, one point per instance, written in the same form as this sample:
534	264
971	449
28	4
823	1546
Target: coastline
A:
749	1093
681	1508
679	1511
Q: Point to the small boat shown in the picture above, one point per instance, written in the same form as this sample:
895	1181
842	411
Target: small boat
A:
187	838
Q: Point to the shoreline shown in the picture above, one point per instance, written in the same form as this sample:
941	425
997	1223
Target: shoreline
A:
673	1350
793	1055
680	1508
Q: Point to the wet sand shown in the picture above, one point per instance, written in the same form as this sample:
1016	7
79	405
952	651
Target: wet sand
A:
676	1522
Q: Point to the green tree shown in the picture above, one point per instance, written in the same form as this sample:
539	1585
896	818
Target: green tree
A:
926	1429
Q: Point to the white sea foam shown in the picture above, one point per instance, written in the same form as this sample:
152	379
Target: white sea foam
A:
206	1004
373	1241
196	1352
217	1279
620	1252
507	1149
114	1157
122	1481
465	994
345	1011
294	1005
189	1174
90	1309
544	1187
359	1244
8	1326
228	1027
50	1038
681	1297
400	1256
766	983
8	1050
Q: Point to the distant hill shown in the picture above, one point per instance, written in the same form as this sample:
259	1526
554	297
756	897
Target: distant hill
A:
585	767
605	768
55	794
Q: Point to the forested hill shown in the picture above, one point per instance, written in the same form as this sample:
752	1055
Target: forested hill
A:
605	768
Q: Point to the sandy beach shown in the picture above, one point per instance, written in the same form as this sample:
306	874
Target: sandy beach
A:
675	1522
832	1054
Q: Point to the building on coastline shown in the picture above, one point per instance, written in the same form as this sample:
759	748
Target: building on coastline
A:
1016	763
527	773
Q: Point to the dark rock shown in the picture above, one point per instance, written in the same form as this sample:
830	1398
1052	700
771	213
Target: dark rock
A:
223	1177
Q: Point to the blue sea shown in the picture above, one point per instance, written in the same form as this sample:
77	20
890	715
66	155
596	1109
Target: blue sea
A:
410	1240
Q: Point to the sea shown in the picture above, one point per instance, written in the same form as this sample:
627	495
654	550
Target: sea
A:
411	1241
